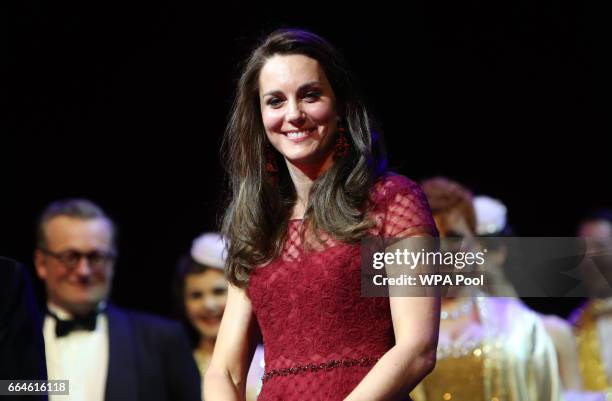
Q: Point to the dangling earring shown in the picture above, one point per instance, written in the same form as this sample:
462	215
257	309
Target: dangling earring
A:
271	167
341	148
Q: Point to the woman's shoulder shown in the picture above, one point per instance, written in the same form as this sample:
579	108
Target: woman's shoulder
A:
400	207
503	310
389	185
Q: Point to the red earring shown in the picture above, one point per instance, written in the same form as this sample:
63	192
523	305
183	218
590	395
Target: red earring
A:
341	148
271	166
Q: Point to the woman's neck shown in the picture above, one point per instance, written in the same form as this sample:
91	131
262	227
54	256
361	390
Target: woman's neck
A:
303	177
206	346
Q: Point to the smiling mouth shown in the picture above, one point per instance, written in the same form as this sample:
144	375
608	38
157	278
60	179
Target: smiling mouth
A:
299	134
214	320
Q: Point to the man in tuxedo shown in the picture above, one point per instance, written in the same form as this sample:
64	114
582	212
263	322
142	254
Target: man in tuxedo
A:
106	352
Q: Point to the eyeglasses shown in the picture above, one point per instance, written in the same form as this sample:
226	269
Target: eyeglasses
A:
97	260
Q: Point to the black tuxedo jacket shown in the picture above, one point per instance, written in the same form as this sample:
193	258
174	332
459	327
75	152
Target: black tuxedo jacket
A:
149	360
22	350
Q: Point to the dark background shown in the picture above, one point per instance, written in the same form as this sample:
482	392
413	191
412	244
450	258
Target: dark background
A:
125	103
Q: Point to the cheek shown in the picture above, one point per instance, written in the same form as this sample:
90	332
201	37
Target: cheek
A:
56	272
322	113
222	301
272	120
59	278
191	307
103	277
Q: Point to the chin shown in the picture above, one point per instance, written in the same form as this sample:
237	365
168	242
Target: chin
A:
79	306
293	154
89	300
304	158
208	332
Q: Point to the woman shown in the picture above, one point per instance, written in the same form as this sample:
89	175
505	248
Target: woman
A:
201	294
305	190
490	348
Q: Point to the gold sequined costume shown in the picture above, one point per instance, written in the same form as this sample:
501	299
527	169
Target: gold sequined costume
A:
592	322
512	360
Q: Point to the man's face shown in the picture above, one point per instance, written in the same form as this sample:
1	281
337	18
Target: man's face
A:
79	286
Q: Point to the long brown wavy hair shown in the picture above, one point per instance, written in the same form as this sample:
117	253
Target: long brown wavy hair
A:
260	203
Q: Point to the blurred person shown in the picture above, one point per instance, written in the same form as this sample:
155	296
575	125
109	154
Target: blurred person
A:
201	294
22	351
106	352
492	224
593	320
489	348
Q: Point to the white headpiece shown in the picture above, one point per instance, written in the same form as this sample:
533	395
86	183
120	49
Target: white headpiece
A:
490	215
209	249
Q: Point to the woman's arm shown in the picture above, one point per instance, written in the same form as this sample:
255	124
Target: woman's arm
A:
564	341
415	323
543	379
225	378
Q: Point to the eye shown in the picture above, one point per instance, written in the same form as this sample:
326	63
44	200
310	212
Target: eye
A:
70	258
196	295
220	291
312	96
274	102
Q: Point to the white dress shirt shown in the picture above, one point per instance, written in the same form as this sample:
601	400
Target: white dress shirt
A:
80	357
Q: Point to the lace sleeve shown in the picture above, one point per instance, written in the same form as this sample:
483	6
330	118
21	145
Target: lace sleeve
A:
404	207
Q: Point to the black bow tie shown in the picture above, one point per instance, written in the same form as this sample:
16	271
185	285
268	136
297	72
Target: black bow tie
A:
64	327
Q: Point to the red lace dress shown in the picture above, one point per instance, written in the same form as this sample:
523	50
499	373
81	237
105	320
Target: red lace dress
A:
320	336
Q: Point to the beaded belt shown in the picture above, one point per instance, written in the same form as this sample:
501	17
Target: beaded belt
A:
315	367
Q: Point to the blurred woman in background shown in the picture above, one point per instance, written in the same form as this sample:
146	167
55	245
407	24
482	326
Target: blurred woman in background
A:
201	293
489	348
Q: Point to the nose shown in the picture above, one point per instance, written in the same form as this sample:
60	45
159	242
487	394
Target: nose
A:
295	115
83	267
211	304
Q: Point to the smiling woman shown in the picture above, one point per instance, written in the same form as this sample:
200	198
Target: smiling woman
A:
298	112
200	291
306	187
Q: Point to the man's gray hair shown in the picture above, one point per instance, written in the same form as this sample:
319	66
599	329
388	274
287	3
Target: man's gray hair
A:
83	209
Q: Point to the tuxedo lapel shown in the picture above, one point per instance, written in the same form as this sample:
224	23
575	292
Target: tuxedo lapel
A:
122	381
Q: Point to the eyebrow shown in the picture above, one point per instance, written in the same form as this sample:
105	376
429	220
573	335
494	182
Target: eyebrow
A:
301	88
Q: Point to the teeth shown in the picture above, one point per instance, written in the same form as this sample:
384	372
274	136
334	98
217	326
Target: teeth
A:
295	135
